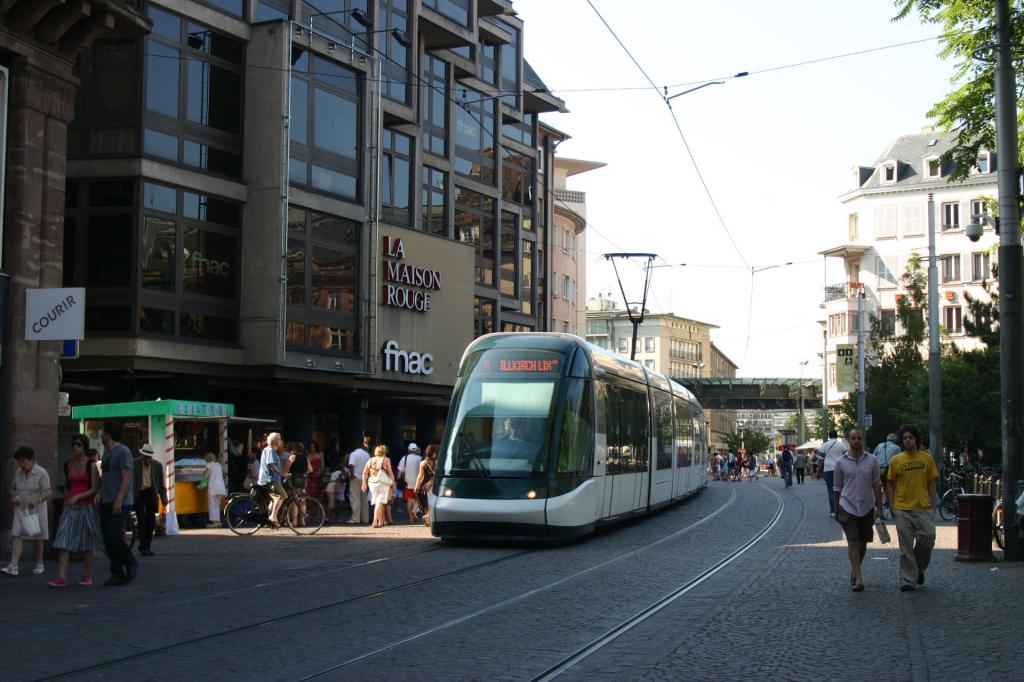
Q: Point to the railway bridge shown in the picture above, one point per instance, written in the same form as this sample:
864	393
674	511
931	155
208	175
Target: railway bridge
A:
746	393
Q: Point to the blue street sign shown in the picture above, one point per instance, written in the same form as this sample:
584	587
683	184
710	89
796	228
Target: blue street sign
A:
69	349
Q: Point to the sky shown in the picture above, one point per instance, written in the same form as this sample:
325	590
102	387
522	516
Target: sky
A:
775	149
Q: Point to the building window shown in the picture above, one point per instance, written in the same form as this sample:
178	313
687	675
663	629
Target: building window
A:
913	219
396	177
456	10
889	172
193	97
885	267
832	374
435	201
526	278
474	224
434	99
952	319
516	177
933	167
108	107
324	130
837	324
566	291
522	133
269	10
623	345
648	344
509	235
983	164
565	326
554	277
393	19
951	216
887	323
885	222
474	136
853	227
510	68
487	69
322	282
336	18
649	364
978	208
483	317
981	265
950	268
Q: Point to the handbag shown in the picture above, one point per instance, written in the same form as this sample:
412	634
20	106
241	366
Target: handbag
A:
402	484
883	532
30	523
203	483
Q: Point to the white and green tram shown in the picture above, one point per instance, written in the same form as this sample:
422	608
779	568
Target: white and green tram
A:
550	436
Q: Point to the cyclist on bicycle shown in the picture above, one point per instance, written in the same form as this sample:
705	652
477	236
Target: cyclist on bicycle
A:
271	474
786	466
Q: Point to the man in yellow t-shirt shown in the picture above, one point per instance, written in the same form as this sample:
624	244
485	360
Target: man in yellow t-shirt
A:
911	487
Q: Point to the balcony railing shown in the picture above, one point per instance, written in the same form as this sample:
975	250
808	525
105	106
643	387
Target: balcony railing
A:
844	290
569	196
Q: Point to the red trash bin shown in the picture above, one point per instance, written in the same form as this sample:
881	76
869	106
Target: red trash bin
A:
974	528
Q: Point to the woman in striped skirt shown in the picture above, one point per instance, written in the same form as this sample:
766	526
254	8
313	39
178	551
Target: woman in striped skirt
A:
79	529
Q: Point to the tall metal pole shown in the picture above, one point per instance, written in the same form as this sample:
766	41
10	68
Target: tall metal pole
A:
1011	286
800	420
861	398
934	358
824	383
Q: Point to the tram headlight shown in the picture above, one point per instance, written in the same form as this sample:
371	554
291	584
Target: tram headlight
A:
531	494
447	492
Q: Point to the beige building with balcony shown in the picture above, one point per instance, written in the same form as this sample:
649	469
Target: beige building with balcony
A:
675	346
887	225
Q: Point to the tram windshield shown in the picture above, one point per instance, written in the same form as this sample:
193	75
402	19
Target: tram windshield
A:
501	428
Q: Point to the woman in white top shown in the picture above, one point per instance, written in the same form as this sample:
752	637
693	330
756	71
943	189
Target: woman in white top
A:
379	479
214	488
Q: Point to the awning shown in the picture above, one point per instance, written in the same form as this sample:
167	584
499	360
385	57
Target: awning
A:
810	445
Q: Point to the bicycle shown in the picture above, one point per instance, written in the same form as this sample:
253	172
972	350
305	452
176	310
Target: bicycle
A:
948	506
999	520
246	513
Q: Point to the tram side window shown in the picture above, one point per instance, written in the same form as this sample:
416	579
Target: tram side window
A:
684	433
626	419
576	444
663	422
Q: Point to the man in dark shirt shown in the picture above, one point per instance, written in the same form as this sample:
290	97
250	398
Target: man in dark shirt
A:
116	499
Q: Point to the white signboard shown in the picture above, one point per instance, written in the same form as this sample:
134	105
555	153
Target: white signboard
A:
54	314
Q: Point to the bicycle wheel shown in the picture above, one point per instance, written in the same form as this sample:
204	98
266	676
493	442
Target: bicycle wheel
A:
948	505
242	515
999	526
305	515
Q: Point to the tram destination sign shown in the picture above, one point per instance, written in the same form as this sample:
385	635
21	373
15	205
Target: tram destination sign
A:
503	362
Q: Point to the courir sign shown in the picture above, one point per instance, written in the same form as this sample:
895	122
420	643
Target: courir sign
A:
54	314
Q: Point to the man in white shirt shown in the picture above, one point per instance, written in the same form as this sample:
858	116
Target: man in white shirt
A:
409	470
357	460
830	452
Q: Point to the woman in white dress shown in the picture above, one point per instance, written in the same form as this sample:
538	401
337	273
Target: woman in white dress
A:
379	479
214	488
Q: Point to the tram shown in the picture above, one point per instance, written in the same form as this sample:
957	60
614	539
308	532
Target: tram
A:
549	436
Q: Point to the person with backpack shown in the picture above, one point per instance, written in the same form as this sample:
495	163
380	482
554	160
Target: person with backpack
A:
786	466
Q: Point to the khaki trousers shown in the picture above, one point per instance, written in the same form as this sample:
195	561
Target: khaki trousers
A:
916	531
357	500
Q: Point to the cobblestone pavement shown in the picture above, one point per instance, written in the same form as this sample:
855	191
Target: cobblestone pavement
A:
276	606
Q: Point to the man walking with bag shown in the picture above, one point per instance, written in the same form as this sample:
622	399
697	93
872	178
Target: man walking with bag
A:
858	501
911	487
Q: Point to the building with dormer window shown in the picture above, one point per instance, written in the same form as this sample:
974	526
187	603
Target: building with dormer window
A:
887	225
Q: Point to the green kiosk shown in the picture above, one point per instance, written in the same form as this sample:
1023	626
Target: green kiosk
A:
181	432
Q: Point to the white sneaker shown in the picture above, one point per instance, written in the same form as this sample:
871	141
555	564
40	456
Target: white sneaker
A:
10	570
38	570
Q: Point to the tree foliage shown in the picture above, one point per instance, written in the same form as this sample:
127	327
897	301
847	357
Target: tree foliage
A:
968	111
754	441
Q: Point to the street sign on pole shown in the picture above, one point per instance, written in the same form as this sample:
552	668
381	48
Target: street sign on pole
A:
846	367
54	314
867	421
69	349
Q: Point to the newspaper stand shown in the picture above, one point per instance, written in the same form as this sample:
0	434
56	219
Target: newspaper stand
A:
168	426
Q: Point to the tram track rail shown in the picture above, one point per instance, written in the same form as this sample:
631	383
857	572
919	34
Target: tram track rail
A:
313	570
516	598
636	619
111	663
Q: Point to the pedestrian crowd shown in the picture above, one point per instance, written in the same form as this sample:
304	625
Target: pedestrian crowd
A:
102	493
